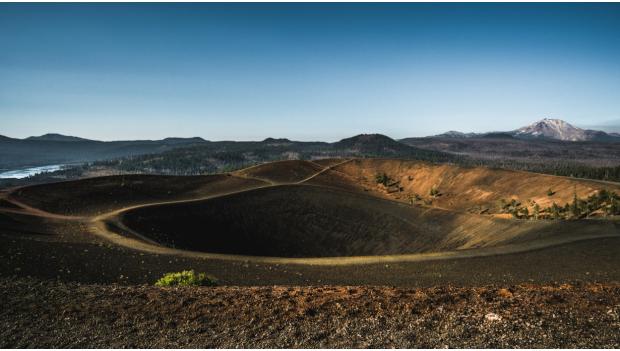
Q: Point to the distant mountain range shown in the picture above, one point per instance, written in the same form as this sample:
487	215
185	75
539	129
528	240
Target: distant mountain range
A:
51	149
60	149
547	128
550	145
56	137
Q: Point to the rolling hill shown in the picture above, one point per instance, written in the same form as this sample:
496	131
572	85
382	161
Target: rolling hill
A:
56	149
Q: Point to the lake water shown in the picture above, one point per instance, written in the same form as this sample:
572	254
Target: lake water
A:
26	172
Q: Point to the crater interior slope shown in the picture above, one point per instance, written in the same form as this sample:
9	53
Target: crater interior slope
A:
329	212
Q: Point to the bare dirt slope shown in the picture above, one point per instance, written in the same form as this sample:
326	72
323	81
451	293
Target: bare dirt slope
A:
425	245
464	188
101	194
54	314
310	221
282	171
302	209
54	249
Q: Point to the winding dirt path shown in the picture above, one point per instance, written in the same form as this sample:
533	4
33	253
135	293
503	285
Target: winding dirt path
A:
323	170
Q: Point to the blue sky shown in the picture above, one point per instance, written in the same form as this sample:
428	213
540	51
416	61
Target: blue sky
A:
303	71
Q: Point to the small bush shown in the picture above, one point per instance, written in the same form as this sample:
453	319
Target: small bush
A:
186	278
382	178
550	192
434	192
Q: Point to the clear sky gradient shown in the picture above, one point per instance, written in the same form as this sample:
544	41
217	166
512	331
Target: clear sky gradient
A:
303	71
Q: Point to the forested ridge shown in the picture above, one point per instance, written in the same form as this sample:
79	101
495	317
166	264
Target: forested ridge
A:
226	156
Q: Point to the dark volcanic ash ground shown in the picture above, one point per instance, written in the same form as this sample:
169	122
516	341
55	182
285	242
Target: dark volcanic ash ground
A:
38	313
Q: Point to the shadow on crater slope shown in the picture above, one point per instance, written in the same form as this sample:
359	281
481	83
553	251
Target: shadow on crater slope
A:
312	221
327	208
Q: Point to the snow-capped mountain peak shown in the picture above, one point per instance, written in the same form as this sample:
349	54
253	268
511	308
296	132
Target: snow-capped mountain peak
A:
546	128
554	129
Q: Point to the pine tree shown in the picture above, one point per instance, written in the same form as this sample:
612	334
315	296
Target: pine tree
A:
555	211
574	208
614	206
525	212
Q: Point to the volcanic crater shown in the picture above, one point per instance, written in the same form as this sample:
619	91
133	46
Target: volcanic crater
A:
305	212
326	209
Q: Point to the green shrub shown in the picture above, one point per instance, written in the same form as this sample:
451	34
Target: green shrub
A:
434	192
550	192
382	178
186	278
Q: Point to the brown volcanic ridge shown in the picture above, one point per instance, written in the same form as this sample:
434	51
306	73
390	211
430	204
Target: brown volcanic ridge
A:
326	212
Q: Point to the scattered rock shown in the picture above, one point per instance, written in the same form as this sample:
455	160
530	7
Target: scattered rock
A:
492	317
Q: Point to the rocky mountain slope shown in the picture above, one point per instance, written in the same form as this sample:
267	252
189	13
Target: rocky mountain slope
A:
546	128
560	130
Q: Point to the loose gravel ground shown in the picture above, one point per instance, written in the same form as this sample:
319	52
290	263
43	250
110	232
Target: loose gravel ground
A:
44	313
